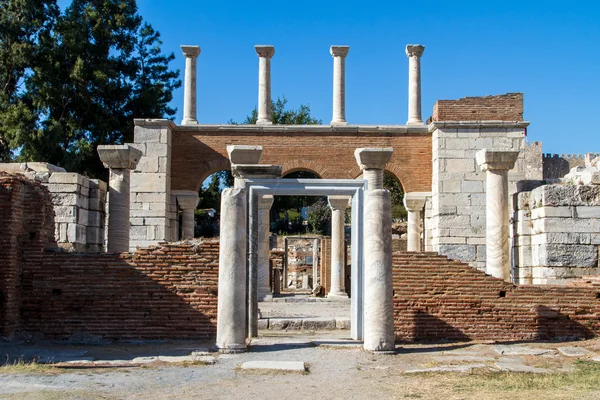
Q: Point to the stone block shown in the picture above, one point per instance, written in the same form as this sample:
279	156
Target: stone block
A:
562	255
95	235
551	225
156	149
548	211
97	204
561	238
76	233
95	218
459	165
98	185
82	216
152	197
147	134
69	177
60	232
65	213
164	164
64	187
443	153
477	199
502	143
467	232
595	238
588	212
463	252
451	186
138	232
455	221
471	187
148	164
481	253
480	143
145	183
457	144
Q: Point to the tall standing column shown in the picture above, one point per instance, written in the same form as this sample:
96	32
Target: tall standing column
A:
378	292
187	200
414	203
496	165
339	54
191	54
264	282
231	311
315	263
338	265
265	53
414	53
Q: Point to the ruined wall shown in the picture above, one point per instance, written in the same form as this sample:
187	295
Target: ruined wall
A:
504	107
167	291
436	299
27	228
558	165
556	233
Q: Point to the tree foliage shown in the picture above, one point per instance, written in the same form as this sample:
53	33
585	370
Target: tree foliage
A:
396	194
92	70
282	116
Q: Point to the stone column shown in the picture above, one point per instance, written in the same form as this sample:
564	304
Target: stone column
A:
414	203
189	90
339	54
264	254
378	291
188	200
496	165
338	265
315	263
120	159
414	53
264	83
231	311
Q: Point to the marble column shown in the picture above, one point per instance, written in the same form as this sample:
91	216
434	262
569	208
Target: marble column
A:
414	203
265	53
264	253
339	54
338	265
496	164
231	306
378	291
188	201
315	265
191	54
414	53
120	160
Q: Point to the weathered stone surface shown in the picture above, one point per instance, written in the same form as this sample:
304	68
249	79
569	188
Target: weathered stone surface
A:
447	368
517	367
284	366
517	350
572	351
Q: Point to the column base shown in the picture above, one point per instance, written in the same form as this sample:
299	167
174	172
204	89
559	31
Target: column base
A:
189	121
337	295
415	122
338	123
232	349
265	297
264	122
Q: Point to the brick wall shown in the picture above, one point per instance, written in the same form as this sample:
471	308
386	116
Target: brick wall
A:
438	299
167	291
27	228
504	107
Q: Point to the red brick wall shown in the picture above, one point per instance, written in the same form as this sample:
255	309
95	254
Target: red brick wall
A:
196	155
27	227
504	107
439	299
167	291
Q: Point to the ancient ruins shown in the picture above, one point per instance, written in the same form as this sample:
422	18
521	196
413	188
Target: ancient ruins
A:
502	240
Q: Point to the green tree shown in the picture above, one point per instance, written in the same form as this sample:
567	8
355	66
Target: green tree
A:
97	68
282	116
396	194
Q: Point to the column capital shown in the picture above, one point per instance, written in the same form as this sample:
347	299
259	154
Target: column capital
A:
338	202
489	160
242	154
265	50
120	156
373	157
190	51
415	201
339	51
414	50
265	202
187	199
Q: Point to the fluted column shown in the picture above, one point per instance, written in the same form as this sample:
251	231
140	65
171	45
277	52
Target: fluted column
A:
496	165
414	203
378	292
120	159
189	89
338	266
339	54
264	284
264	83
414	53
188	201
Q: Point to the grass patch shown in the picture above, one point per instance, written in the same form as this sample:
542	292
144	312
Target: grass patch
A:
27	367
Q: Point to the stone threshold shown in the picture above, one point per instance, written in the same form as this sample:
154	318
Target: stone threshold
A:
300	323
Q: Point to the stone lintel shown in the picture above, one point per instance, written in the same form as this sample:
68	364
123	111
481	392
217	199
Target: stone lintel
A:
190	51
415	201
265	50
488	159
338	202
373	157
167	123
187	199
477	125
265	202
414	50
256	171
242	154
339	51
375	130
119	156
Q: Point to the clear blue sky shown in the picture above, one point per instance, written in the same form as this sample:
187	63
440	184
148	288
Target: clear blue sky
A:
548	50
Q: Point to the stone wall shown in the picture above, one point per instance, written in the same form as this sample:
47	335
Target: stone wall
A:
558	165
436	299
167	291
556	233
504	107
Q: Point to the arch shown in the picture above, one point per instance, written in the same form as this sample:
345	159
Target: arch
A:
303	165
207	169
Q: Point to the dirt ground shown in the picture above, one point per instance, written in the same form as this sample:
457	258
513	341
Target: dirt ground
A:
335	369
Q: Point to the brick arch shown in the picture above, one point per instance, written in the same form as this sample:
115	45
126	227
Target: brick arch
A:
304	165
397	173
205	170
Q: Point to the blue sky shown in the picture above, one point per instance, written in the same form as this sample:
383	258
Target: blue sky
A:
548	50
